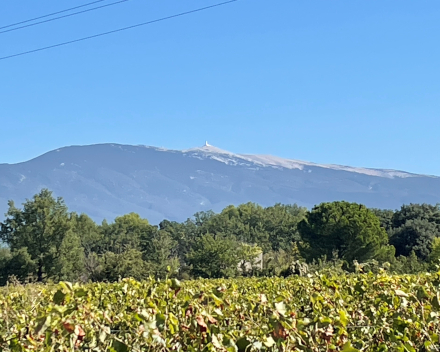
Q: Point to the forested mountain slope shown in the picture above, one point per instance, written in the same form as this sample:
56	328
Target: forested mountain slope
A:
108	180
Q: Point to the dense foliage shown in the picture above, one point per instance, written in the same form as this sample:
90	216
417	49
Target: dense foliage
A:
44	242
349	229
353	312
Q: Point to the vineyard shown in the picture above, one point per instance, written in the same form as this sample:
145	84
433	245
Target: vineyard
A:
353	312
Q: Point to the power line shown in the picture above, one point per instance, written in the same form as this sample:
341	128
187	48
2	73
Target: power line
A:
51	14
57	18
118	30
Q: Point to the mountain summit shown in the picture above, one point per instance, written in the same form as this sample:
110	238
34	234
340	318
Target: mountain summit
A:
208	148
273	161
108	180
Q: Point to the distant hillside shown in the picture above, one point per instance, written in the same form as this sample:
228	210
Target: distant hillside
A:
107	180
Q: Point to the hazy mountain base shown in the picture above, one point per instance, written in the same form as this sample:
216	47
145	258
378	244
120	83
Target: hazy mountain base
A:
108	180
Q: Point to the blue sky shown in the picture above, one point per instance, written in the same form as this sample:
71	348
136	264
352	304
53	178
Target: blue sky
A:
343	82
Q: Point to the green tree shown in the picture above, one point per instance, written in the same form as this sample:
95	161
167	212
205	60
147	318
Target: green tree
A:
349	229
215	256
71	259
5	256
281	223
18	264
92	243
410	264
159	251
40	228
245	223
414	228
434	256
125	233
115	266
272	228
428	212
415	235
89	233
183	234
385	217
114	250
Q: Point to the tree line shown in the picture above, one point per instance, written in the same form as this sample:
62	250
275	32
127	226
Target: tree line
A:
44	242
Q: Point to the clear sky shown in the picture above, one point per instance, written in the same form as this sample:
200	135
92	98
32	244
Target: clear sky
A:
343	81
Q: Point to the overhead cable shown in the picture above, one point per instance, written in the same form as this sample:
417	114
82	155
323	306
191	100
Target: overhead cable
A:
51	14
117	30
57	18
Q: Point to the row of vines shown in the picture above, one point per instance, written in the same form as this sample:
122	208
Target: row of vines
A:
356	312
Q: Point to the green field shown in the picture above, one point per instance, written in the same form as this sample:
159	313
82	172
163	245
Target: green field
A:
366	312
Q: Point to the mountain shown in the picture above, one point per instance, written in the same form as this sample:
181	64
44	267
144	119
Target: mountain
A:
108	180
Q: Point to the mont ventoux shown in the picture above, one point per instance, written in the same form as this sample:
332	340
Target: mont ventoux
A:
108	180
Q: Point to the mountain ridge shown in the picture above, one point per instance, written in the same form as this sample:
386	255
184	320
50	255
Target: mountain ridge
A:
108	179
257	158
